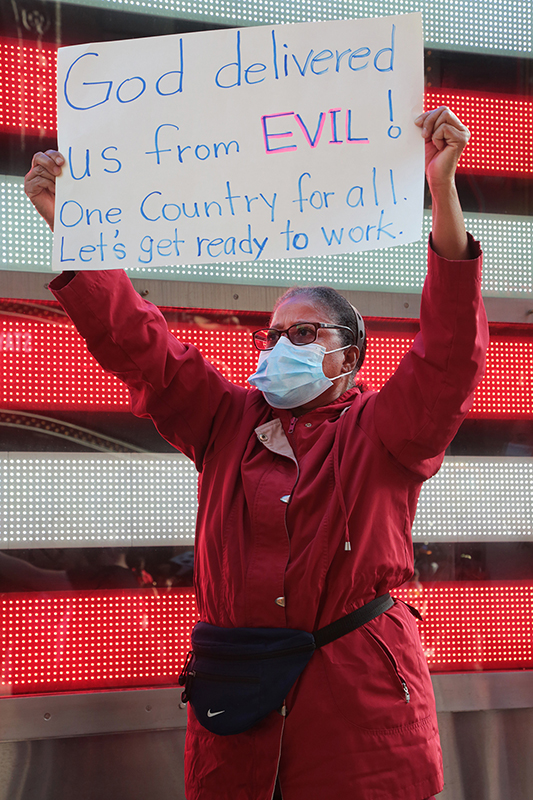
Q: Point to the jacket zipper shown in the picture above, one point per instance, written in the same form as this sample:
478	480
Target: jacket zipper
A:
290	651
390	658
292	425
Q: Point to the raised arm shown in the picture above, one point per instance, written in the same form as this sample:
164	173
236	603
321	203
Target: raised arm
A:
420	408
446	138
187	398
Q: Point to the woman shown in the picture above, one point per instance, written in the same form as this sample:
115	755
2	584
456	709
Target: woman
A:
307	494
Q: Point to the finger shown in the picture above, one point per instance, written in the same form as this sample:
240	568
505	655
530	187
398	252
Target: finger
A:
433	119
52	162
426	121
421	119
38	172
58	157
450	123
40	178
440	143
39	183
450	135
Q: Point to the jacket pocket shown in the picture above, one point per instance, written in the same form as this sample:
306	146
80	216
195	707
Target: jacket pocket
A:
387	654
376	677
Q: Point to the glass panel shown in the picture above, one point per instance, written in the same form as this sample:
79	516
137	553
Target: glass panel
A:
122	568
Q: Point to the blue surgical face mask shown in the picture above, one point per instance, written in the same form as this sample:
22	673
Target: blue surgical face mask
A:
291	375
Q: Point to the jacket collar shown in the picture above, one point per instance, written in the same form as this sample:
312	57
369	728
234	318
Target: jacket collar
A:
331	410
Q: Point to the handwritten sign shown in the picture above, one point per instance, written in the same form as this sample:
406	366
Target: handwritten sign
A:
242	144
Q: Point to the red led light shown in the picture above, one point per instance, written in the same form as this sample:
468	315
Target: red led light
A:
501	128
501	125
473	626
46	366
28	97
90	640
79	640
504	391
230	351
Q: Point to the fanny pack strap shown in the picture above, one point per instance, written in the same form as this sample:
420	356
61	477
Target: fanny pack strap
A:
353	620
246	685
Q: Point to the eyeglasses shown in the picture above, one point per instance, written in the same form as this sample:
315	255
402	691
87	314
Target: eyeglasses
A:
299	334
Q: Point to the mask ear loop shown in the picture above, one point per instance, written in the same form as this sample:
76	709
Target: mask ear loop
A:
361	335
343	374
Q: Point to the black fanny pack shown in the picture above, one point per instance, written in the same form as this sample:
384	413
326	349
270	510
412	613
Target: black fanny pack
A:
234	677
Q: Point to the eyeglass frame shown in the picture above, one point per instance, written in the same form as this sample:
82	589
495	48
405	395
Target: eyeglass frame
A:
317	326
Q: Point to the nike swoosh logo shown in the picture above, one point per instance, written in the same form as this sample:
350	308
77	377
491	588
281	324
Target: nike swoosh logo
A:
215	713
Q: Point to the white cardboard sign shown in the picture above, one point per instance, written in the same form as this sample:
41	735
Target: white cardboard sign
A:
240	144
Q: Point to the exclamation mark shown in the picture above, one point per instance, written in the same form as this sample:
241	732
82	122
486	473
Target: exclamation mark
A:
391	174
394	131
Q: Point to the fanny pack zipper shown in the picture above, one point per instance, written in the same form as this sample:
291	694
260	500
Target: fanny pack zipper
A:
209	676
302	648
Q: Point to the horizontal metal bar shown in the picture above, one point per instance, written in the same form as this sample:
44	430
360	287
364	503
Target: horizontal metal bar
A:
483	691
238	297
89	713
86	713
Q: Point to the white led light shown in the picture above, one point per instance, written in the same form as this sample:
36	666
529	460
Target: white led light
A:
477	499
488	26
84	499
507	243
81	499
25	239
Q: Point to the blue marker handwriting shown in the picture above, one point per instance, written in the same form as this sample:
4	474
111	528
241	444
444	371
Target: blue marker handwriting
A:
230	246
81	95
344	238
312	197
199	151
282	62
153	208
99	251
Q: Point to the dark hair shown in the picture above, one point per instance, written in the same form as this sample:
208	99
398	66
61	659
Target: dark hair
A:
339	309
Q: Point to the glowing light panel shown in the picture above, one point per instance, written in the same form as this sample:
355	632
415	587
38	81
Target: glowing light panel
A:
477	498
97	640
28	96
504	391
46	365
119	500
146	500
470	627
501	128
82	640
493	26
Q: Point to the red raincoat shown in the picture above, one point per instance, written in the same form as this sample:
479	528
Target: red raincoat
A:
278	499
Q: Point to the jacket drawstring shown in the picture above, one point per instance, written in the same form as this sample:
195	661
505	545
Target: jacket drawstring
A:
338	488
